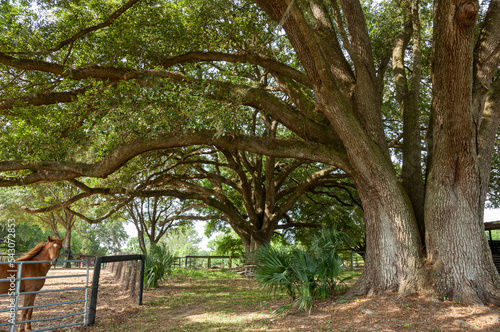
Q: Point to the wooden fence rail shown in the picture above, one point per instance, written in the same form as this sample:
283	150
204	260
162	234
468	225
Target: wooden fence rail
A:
190	261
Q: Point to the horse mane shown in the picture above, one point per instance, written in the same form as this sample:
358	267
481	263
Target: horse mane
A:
33	252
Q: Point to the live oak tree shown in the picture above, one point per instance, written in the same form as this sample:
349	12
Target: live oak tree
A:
156	216
88	88
252	193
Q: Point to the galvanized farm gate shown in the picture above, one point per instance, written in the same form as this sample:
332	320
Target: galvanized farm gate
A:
13	297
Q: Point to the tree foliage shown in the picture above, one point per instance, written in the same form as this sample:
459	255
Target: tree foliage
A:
402	97
183	241
100	239
227	244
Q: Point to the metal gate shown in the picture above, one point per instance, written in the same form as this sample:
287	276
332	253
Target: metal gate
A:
13	297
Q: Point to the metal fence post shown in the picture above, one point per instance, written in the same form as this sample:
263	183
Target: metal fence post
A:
95	288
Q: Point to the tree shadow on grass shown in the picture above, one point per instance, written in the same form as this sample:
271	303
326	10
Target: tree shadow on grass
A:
197	304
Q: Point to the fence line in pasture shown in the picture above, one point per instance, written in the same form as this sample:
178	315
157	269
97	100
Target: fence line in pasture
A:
192	261
353	258
125	272
125	267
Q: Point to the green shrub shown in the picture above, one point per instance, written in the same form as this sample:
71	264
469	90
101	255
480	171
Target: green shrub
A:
159	262
274	271
304	275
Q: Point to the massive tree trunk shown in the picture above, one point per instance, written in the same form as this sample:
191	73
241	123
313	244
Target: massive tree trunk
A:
253	243
394	251
458	256
456	246
393	255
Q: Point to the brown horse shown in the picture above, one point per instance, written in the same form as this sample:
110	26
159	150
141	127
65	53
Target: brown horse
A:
44	251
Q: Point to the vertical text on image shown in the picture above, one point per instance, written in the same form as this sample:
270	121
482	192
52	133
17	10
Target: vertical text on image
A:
11	252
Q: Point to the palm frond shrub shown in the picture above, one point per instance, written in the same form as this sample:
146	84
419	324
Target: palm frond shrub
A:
324	247
274	270
304	275
159	262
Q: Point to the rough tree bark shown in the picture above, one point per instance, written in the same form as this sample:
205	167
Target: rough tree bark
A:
393	245
457	250
456	245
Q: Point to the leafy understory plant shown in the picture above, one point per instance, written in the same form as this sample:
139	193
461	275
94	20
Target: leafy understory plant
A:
159	262
303	275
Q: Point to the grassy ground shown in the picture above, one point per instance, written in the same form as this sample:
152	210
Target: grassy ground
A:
202	300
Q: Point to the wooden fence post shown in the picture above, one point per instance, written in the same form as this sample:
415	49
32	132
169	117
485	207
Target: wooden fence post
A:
118	272
123	274
129	274
133	278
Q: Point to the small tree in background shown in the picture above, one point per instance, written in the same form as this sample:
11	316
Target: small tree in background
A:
153	217
183	241
99	239
228	244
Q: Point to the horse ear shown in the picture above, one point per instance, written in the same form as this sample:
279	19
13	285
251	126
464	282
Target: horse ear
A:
49	239
63	238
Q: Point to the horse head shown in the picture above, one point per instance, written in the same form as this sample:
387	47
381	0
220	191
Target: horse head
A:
54	248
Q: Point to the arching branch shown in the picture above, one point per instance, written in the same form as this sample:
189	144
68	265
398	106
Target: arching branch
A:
51	171
256	59
55	206
93	28
303	187
115	209
38	99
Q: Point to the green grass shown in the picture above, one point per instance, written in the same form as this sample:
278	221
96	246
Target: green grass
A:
349	273
204	300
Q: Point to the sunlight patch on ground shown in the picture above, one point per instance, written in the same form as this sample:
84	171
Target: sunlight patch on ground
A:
227	318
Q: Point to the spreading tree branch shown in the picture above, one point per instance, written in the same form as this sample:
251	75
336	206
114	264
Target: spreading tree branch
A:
260	60
51	171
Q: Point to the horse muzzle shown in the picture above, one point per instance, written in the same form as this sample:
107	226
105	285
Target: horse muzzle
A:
53	261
